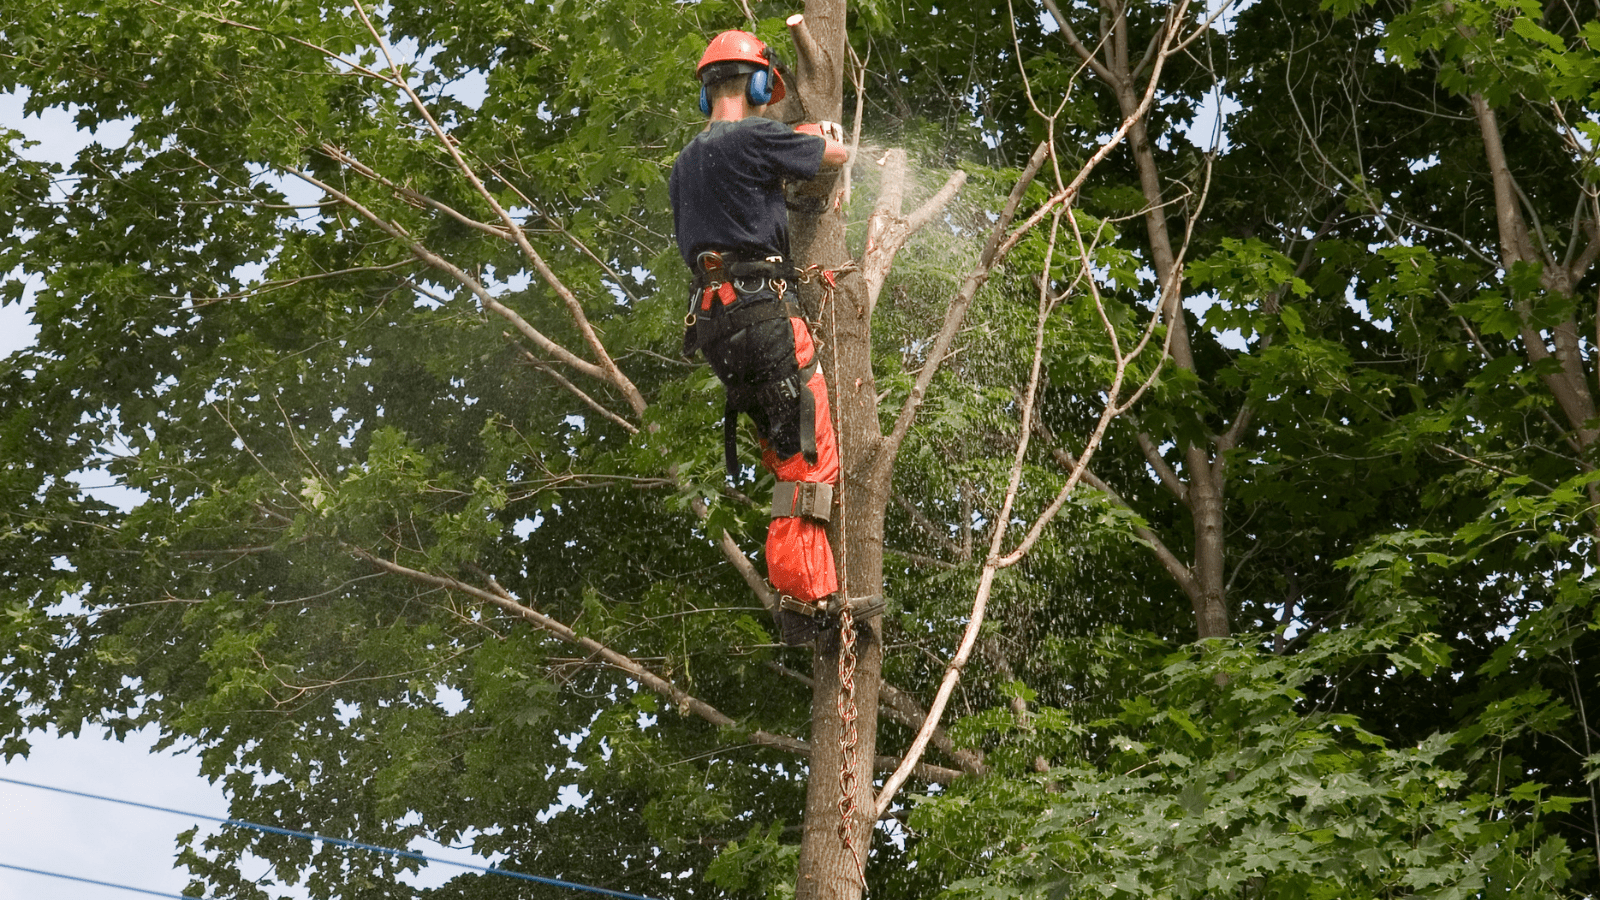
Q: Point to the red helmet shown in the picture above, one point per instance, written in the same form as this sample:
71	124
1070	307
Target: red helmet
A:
743	47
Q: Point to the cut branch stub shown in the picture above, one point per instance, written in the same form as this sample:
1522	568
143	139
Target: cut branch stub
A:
809	64
888	230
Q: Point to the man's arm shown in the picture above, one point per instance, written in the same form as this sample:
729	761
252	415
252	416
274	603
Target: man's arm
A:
834	152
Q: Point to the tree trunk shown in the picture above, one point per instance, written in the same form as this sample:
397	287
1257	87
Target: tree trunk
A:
1206	478
831	867
1570	384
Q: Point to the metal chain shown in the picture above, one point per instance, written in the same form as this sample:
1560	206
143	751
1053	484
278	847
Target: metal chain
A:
849	735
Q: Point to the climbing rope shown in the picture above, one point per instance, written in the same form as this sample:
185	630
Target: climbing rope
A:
830	282
849	735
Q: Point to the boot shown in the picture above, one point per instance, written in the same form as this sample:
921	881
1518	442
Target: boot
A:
861	608
801	623
797	629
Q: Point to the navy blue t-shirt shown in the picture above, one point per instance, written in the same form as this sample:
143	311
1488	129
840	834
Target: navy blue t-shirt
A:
727	187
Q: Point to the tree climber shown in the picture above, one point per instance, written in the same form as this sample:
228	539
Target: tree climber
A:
733	232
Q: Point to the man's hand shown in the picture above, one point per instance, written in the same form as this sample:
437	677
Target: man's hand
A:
831	131
836	152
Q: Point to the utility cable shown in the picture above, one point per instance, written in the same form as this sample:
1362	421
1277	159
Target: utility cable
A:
340	842
109	884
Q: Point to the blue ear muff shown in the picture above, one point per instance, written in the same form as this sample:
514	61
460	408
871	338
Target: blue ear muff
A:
759	92
705	101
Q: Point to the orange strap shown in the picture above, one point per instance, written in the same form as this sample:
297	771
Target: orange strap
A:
722	291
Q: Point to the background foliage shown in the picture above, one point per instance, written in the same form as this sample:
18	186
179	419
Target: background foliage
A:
1404	709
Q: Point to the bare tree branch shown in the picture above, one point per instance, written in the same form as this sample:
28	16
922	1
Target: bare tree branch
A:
1088	56
413	197
567	357
1115	404
592	403
975	621
1169	478
887	230
574	308
1175	567
502	599
904	709
899	707
954	316
741	563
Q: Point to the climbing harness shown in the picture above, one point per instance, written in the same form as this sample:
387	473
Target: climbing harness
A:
731	296
715	307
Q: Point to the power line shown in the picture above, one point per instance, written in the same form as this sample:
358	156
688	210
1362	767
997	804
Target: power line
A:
109	884
311	836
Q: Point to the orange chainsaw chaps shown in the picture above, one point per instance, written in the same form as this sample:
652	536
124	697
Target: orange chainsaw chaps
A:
800	560
799	557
